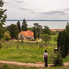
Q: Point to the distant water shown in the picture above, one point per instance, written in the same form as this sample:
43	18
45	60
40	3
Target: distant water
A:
52	24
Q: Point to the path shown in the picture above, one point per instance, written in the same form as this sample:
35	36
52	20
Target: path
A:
29	64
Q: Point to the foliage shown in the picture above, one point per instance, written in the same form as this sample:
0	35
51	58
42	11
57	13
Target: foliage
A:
55	38
34	33
22	41
18	25
0	46
46	37
24	25
2	18
58	60
29	28
5	66
13	31
54	33
1	33
46	30
62	42
67	27
7	36
38	29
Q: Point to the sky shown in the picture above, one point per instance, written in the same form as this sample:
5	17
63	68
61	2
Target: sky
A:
37	9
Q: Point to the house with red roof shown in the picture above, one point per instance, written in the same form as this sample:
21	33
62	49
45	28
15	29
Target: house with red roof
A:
26	35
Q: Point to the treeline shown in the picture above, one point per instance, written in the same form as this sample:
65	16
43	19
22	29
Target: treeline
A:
14	29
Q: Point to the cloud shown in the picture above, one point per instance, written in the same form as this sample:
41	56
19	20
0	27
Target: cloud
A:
25	8
53	12
6	1
67	9
33	12
19	1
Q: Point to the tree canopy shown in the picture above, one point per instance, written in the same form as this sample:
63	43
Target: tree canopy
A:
13	30
2	18
18	25
45	37
46	30
24	25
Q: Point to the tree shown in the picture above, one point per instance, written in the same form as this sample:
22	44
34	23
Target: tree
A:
46	30
7	36
67	27
38	29
2	19
62	42
46	37
67	31
13	31
24	25
18	25
35	33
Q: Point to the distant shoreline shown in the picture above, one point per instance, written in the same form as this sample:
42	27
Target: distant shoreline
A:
36	20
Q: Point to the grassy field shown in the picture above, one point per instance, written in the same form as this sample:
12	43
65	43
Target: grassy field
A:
29	52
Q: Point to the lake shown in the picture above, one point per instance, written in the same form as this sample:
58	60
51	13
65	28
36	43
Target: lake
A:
52	24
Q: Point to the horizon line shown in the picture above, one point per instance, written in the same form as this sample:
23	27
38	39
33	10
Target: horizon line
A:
33	20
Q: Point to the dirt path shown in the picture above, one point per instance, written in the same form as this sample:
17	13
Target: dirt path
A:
30	64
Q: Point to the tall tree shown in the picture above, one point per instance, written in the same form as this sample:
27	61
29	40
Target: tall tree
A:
46	30
38	29
24	25
67	31
2	18
18	25
34	33
62	42
13	31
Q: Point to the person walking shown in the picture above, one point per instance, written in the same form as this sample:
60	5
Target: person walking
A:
45	57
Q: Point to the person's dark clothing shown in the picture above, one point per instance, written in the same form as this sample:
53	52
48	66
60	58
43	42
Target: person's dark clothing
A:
45	58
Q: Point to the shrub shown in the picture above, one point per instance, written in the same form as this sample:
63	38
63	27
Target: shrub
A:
37	42
7	36
2	40
46	37
0	46
22	41
5	67
58	60
55	38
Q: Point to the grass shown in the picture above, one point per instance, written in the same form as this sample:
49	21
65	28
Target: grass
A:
29	52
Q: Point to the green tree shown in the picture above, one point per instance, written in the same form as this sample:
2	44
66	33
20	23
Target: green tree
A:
7	36
67	31
18	25
24	25
45	37
67	27
62	42
35	33
58	59
2	18
46	30
30	28
38	29
13	31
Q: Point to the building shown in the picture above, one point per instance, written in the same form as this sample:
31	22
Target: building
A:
26	35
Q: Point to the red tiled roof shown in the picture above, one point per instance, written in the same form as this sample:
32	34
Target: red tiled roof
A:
27	33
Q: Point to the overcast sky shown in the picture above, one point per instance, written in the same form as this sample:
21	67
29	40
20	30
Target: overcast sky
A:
37	9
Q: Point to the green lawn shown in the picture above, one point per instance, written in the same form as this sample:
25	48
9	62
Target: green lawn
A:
29	52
